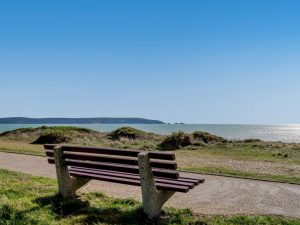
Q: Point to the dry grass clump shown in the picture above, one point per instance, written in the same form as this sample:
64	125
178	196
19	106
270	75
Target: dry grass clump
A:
206	137
175	140
180	139
125	132
50	135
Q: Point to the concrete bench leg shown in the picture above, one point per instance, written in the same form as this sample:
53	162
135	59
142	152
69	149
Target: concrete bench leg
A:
153	199
67	185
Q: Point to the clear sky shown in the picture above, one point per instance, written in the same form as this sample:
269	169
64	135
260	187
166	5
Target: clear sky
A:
193	61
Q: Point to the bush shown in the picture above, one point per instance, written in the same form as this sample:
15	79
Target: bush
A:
52	137
175	141
53	134
125	132
68	129
207	137
249	140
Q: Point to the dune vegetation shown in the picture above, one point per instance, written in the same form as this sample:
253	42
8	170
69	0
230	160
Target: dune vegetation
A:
199	151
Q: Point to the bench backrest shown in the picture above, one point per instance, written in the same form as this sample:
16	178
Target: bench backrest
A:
121	160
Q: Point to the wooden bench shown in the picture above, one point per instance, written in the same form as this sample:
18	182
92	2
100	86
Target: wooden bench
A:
154	171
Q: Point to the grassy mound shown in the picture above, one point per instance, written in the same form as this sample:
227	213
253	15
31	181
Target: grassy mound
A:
175	140
180	139
50	135
250	140
206	137
60	134
39	130
23	132
126	132
119	138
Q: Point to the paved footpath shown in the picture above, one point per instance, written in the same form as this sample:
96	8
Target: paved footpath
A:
217	195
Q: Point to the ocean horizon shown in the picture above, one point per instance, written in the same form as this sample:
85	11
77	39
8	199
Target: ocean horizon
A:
285	132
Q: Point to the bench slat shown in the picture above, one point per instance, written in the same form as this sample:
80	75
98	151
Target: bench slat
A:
112	159
194	181
184	179
159	186
130	176
119	167
188	179
51	160
110	151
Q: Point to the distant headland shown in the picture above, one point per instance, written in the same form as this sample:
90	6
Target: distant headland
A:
96	120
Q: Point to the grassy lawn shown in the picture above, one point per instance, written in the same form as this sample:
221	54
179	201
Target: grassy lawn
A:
277	162
26	199
21	147
256	151
222	171
273	161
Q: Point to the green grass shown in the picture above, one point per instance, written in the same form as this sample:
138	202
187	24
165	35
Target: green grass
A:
260	151
125	132
28	200
61	134
175	141
54	134
249	220
214	170
21	148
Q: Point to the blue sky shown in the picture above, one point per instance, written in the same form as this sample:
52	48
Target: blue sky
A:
195	61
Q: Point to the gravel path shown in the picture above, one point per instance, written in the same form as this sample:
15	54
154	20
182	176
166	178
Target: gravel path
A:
217	195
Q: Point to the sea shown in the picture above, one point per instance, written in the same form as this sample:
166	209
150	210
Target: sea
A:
285	133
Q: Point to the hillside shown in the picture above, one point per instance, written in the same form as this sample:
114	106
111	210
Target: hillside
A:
103	120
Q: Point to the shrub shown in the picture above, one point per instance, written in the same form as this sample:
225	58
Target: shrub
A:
125	132
22	131
60	134
175	140
54	134
39	130
207	137
52	137
68	129
249	140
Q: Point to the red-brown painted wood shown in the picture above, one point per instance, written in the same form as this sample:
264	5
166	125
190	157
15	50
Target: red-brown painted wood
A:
110	151
130	176
113	159
194	181
159	186
121	167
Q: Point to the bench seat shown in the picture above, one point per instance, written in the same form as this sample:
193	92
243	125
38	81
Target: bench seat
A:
177	185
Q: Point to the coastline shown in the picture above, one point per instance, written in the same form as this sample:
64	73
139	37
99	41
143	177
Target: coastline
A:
284	133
